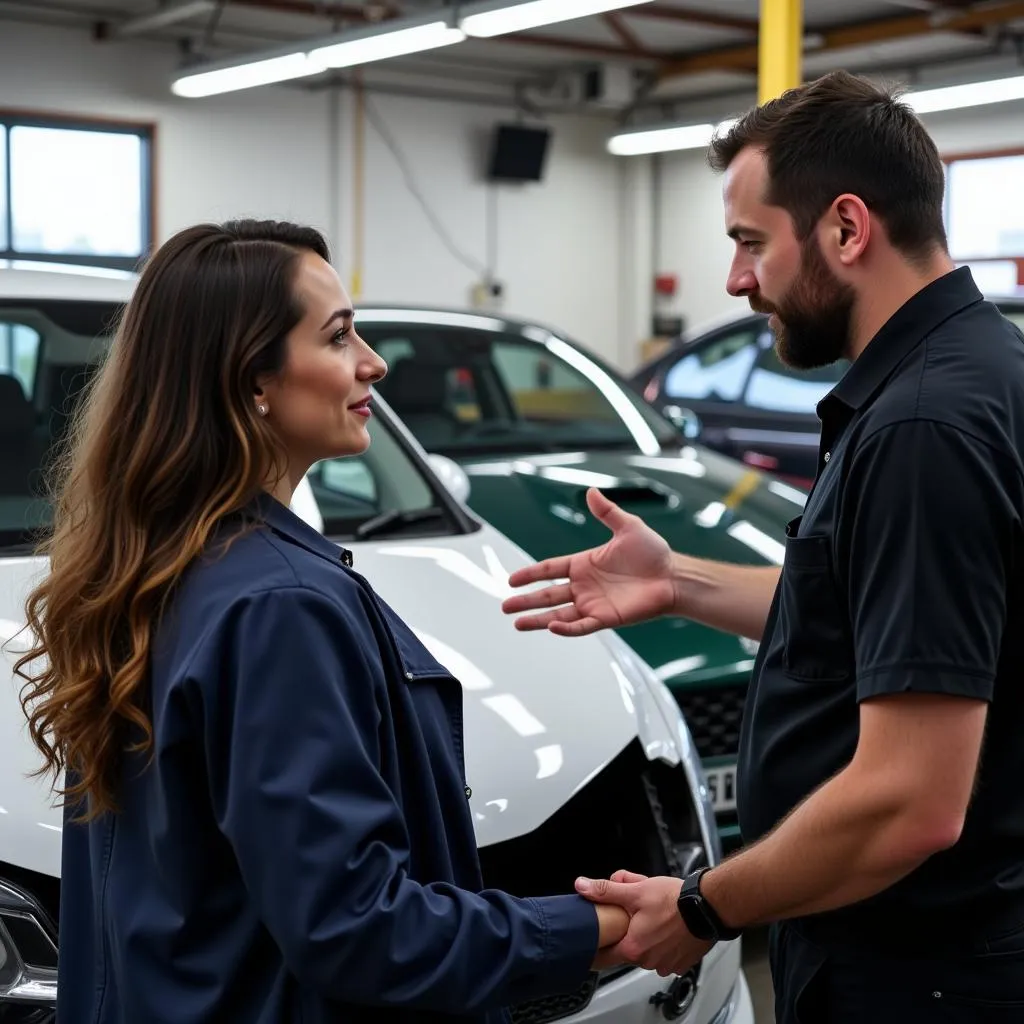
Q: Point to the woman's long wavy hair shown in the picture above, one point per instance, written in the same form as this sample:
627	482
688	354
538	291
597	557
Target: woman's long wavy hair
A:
166	443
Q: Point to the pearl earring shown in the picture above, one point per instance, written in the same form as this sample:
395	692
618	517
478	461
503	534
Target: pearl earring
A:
261	409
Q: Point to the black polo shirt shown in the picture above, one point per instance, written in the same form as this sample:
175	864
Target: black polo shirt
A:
904	575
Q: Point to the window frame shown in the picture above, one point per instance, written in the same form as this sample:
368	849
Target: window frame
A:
948	159
147	133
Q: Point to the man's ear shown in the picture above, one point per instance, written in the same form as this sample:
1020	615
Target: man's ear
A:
848	228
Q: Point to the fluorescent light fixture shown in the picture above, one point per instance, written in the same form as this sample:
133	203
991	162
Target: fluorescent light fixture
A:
971	94
393	38
245	76
661	140
500	18
365	49
666	138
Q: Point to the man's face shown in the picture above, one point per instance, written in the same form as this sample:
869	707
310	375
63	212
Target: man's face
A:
810	309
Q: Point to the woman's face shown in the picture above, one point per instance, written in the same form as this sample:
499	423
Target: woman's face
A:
319	402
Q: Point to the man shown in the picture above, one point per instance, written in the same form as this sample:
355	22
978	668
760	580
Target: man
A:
881	776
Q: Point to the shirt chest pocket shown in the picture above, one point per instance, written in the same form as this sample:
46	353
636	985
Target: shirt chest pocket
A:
815	631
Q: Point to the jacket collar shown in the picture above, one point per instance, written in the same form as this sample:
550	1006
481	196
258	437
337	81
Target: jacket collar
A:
900	335
284	522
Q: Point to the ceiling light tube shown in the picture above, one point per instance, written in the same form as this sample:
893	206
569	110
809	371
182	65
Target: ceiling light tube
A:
501	17
666	138
392	38
232	77
375	46
971	94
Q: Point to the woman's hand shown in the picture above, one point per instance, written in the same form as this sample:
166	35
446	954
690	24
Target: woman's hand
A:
612	924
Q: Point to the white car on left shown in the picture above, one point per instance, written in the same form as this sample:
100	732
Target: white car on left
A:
578	759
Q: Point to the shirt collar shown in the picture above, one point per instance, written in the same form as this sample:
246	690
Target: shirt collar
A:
282	520
900	335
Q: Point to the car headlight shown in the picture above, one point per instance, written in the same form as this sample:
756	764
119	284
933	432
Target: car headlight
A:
28	959
643	680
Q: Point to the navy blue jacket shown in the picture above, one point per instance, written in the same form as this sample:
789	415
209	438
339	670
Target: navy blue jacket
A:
300	848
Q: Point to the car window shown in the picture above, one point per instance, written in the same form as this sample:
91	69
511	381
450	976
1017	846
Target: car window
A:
49	350
715	372
19	354
775	387
464	390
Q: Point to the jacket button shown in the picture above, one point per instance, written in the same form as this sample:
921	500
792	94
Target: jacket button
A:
409	675
469	793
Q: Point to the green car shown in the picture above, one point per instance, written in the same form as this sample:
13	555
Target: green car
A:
534	420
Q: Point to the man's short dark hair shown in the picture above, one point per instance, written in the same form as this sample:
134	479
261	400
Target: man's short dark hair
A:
842	133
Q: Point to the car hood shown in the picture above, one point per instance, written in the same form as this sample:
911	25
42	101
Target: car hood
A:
703	504
542	714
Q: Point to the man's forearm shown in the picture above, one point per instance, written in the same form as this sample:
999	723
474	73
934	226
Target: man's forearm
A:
733	598
863	837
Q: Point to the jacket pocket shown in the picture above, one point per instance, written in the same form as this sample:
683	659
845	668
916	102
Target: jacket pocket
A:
814	626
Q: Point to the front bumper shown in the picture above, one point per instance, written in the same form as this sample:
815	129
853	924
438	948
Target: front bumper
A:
721	996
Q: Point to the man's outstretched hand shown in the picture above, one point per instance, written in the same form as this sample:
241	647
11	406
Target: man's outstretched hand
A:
624	581
657	939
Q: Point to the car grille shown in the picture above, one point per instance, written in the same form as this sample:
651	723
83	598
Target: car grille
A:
714	716
541	1011
635	814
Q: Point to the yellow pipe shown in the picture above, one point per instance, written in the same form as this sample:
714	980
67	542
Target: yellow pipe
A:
358	182
779	47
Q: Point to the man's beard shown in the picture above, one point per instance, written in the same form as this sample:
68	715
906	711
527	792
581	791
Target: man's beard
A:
812	321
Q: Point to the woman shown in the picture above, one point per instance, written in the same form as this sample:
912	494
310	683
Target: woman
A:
266	813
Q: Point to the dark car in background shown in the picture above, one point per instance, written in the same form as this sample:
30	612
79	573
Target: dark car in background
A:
727	387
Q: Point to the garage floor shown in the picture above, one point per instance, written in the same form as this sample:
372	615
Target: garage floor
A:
755	966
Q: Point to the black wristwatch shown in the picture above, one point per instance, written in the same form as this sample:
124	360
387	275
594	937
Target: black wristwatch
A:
698	915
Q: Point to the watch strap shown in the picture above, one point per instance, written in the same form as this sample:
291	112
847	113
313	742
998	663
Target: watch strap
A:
700	916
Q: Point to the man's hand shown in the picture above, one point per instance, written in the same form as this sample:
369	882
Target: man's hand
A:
657	938
626	580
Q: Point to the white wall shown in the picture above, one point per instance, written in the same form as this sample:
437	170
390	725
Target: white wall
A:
693	242
287	153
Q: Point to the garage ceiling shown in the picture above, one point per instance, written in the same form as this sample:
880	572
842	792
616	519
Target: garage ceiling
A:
674	50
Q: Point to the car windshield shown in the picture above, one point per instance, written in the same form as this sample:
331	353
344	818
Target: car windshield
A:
467	390
48	351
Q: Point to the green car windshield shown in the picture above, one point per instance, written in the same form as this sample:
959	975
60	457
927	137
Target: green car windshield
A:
464	391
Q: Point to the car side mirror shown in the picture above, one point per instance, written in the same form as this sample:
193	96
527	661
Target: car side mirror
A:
452	475
686	421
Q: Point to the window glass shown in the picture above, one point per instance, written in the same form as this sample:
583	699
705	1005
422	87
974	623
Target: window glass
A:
544	389
986	218
76	192
994	277
19	353
716	372
462	391
775	387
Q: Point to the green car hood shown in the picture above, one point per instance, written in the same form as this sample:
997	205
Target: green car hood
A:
702	503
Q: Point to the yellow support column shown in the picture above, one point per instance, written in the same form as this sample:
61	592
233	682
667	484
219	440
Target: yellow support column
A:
779	47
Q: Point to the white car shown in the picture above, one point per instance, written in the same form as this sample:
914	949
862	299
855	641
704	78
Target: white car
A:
578	758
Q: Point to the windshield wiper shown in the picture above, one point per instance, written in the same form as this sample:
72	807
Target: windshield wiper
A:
395	520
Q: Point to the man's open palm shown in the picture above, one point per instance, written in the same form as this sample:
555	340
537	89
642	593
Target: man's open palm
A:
624	581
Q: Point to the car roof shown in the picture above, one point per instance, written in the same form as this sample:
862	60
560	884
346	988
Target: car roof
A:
22	279
59	282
